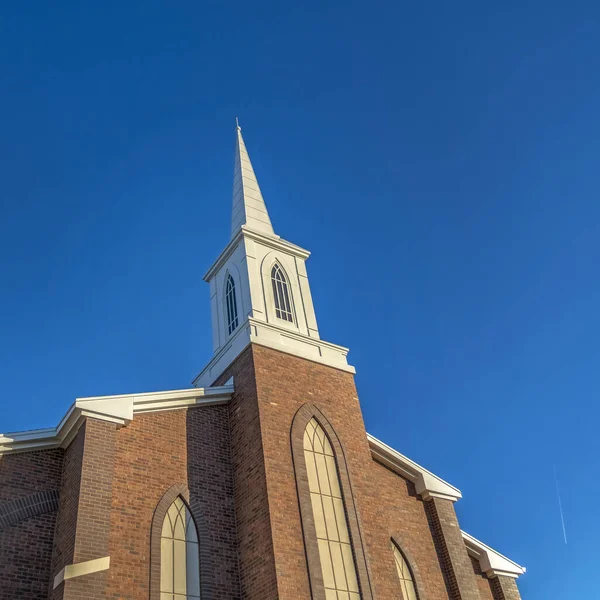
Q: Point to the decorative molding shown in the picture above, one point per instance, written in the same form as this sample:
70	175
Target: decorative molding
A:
83	568
492	563
271	241
18	510
279	338
115	409
426	483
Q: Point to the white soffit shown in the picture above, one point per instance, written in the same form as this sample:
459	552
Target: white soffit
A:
115	409
492	563
426	483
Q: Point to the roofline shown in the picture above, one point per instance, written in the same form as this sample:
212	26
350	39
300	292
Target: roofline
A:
426	483
118	409
492	563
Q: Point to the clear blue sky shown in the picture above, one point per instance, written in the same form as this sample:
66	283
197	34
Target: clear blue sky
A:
440	160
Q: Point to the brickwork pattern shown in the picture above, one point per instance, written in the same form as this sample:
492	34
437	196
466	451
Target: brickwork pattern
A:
84	532
279	385
481	580
66	518
156	451
456	562
17	510
25	558
505	588
393	510
258	576
28	484
29	472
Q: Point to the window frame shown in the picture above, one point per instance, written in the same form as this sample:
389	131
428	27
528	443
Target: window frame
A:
281	293
301	419
231	305
400	540
207	583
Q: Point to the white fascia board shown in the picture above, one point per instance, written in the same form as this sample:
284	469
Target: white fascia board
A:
492	563
114	409
271	241
426	483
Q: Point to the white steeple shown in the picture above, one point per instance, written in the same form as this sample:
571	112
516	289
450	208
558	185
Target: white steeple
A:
248	203
259	289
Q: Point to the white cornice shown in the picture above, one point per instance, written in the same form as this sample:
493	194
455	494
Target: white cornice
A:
426	483
492	563
271	241
279	338
114	409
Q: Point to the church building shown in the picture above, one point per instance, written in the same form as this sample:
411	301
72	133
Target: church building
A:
259	482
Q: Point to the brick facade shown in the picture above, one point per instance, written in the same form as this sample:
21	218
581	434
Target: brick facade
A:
107	492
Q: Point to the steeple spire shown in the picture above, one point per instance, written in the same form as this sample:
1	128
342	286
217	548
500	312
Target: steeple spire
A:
248	204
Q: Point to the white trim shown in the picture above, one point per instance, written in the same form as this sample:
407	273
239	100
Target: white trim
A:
426	483
492	563
114	409
277	337
83	568
271	241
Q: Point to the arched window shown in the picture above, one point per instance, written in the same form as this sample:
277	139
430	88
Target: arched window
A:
179	560
407	582
335	550
231	303
281	295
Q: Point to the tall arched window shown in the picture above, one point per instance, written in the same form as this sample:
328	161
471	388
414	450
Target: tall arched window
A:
407	582
335	550
281	295
179	560
231	304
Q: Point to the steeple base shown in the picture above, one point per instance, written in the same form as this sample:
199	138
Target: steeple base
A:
278	338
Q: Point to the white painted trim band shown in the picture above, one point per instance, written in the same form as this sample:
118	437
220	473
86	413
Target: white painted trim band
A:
492	563
426	483
114	409
83	568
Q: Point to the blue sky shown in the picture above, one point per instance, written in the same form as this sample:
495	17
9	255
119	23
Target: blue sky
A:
440	160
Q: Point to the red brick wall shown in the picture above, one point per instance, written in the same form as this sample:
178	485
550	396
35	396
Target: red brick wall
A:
505	588
29	472
25	557
385	503
26	547
84	505
66	520
394	510
153	453
483	583
258	577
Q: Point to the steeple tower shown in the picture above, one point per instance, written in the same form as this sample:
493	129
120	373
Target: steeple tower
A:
259	286
248	203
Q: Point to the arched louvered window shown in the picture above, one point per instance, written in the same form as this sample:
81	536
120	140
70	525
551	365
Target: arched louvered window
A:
407	582
335	550
179	559
281	295
231	304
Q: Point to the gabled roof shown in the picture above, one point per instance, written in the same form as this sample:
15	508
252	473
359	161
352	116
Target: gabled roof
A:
122	408
428	486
